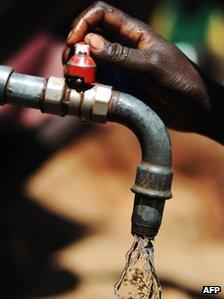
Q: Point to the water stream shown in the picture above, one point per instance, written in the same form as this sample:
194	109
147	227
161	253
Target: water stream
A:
139	279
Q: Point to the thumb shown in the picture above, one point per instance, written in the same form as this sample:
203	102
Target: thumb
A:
115	53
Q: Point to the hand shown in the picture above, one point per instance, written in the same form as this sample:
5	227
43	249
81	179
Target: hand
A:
176	89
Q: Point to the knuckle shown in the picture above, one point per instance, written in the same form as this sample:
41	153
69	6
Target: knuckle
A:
154	58
99	4
117	53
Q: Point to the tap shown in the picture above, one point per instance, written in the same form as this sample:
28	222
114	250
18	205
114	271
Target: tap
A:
100	104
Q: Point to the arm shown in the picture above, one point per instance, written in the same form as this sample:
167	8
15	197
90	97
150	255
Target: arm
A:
177	90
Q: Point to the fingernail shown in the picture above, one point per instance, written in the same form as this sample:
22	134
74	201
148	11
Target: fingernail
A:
95	41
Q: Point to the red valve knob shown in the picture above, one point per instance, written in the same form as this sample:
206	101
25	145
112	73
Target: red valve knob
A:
80	69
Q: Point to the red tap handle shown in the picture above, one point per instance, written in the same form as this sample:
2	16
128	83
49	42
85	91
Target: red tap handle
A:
81	66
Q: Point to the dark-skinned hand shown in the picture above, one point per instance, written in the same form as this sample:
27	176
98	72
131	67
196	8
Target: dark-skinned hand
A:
177	89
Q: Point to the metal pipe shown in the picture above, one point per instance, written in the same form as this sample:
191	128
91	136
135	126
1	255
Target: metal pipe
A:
20	89
99	104
154	174
25	89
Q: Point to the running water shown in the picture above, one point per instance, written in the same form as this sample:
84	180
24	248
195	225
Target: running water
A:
139	279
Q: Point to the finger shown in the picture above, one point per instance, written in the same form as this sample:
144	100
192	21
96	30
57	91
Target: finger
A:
88	18
115	19
65	55
115	54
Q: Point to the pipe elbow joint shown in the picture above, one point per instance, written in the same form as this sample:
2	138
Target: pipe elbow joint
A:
154	174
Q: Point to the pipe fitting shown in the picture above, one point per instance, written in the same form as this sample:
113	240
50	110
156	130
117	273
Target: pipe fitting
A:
5	72
154	174
92	104
53	96
99	104
54	92
153	180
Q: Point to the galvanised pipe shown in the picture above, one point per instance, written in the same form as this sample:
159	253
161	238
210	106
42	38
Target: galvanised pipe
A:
154	174
20	89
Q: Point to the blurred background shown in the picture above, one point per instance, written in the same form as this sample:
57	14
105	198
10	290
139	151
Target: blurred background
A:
65	187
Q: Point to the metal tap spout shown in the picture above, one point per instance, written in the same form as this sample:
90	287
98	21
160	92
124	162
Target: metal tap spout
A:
100	104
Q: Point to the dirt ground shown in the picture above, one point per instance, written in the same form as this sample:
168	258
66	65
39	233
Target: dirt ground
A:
89	183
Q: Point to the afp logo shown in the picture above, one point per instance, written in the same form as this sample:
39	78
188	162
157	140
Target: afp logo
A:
212	290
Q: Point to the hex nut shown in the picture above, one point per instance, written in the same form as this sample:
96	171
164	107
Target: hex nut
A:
53	95
101	104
